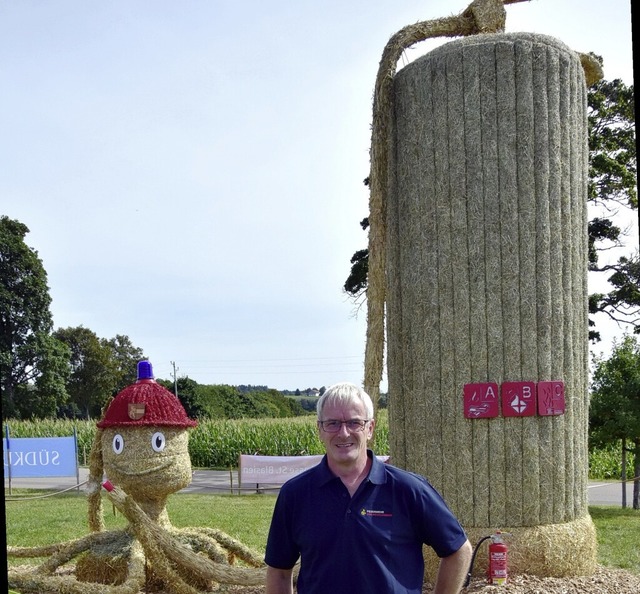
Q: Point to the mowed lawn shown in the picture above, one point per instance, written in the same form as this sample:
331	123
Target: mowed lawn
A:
33	519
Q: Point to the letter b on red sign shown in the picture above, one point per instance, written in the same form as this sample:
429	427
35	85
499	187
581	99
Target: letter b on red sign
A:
518	399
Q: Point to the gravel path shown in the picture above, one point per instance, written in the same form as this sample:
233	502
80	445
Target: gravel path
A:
604	581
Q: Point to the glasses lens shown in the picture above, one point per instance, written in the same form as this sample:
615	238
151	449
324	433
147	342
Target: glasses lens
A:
331	426
334	426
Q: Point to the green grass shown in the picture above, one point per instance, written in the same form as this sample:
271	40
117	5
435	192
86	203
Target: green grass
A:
48	520
618	533
33	522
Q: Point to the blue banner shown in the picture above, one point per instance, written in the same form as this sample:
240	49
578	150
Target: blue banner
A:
36	457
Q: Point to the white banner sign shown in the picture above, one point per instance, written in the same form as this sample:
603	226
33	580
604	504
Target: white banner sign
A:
276	470
273	470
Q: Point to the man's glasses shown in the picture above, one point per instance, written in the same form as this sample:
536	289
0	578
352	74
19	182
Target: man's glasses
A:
353	425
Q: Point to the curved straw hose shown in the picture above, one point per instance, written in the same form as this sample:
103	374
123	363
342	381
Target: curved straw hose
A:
65	584
235	548
481	16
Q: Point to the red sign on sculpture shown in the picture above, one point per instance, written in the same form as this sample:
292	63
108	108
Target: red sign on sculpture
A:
518	399
551	398
481	400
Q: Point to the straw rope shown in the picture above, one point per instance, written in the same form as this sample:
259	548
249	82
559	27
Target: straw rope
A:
96	471
46	495
159	544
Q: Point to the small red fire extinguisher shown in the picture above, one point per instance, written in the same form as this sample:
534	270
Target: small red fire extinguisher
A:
497	560
497	570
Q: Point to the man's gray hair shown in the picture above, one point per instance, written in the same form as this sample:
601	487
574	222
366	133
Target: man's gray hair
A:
345	393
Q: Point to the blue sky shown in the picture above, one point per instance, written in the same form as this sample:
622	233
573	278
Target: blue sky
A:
191	172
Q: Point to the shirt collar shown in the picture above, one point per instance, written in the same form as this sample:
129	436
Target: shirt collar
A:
376	475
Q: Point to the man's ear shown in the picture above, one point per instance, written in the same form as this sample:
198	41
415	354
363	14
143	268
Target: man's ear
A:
372	426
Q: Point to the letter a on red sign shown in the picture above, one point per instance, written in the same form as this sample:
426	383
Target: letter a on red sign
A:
481	400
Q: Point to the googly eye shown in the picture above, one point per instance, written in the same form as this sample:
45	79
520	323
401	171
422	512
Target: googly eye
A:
118	443
158	442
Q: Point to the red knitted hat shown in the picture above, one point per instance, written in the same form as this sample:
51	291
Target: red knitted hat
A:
145	403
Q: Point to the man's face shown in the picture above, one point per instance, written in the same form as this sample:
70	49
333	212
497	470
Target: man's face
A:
345	447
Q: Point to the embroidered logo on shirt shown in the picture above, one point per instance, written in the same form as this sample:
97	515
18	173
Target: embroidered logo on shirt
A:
376	513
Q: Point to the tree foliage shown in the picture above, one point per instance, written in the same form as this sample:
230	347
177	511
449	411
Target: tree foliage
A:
125	357
222	401
612	144
612	186
615	394
98	369
614	414
31	360
92	377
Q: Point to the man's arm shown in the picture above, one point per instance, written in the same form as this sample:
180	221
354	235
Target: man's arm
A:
452	571
279	581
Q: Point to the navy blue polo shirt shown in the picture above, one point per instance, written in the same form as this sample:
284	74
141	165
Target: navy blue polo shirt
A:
369	543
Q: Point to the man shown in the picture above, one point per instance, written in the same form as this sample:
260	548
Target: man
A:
356	524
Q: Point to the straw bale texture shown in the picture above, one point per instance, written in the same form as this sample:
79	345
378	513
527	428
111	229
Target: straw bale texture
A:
487	277
552	550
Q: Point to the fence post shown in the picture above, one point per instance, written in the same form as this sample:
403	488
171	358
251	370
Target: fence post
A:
75	449
8	456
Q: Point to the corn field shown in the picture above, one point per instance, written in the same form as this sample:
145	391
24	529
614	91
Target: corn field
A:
218	443
214	443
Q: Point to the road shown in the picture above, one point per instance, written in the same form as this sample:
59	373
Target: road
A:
226	482
609	493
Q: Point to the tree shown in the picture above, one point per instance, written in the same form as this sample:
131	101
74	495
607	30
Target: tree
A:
188	394
356	283
125	356
32	362
98	369
612	185
93	370
221	401
614	415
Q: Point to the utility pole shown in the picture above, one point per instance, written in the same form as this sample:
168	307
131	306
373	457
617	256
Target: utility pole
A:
175	378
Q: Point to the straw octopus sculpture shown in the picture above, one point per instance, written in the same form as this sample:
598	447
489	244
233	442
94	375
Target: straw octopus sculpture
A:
142	447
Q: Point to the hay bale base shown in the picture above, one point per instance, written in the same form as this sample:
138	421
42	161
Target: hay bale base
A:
101	569
107	562
553	550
